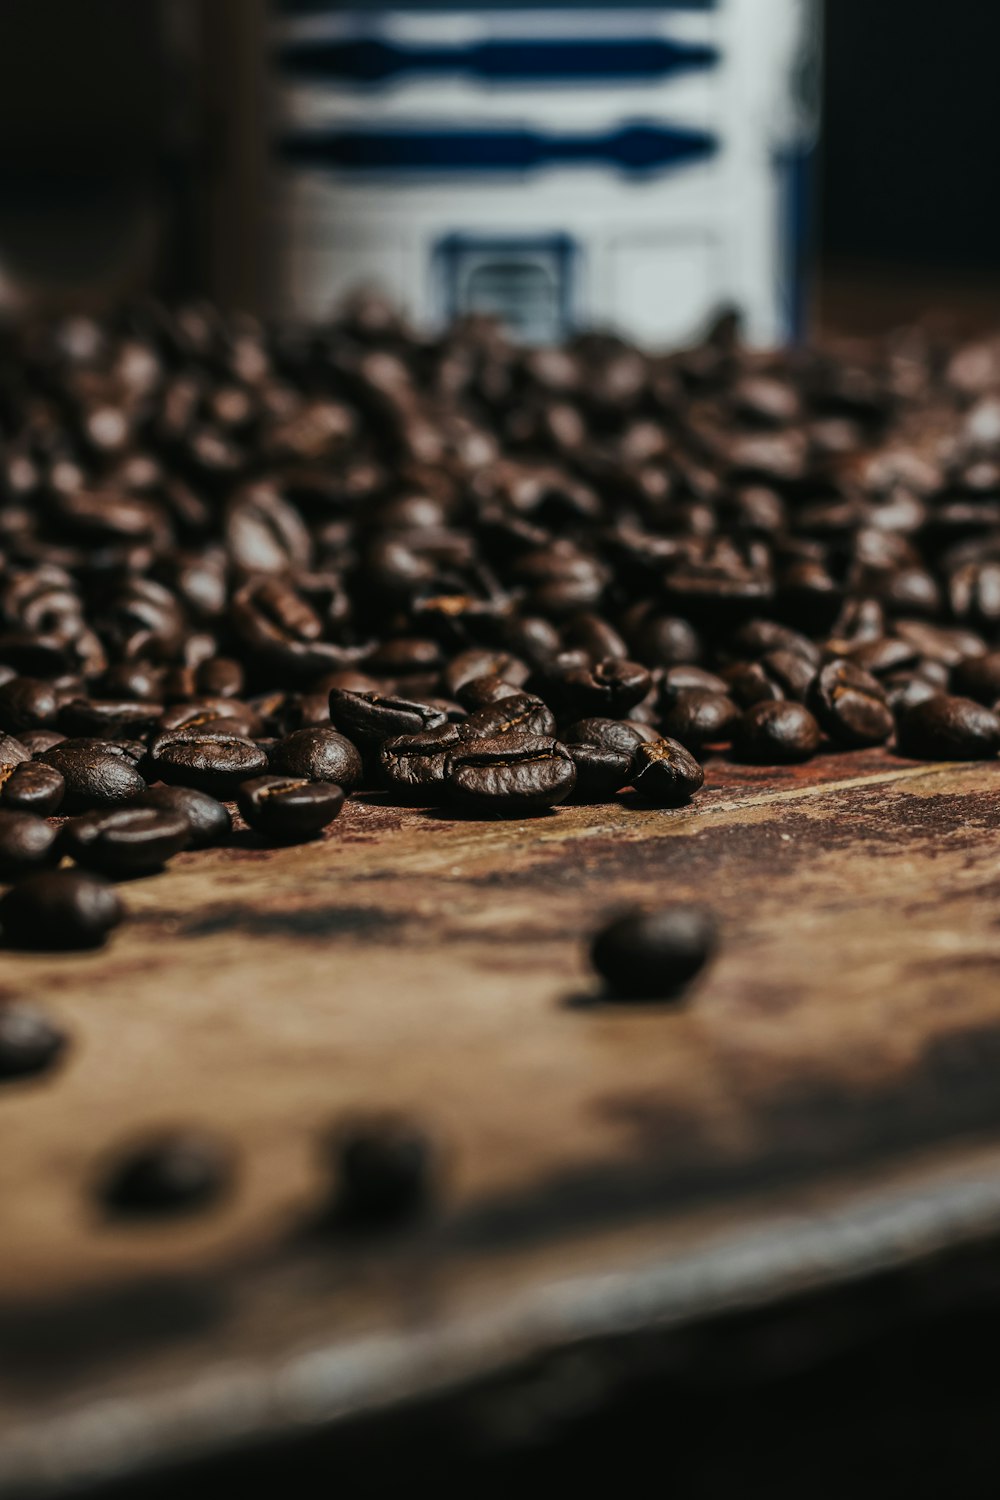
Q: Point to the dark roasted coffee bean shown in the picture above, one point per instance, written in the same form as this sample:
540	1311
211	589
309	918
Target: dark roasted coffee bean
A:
415	767
210	760
688	679
368	719
756	638
38	740
479	692
287	808
319	755
697	719
26	703
27	844
610	688
979	677
384	1173
12	754
749	682
129	840
209	822
512	774
774	734
108	718
600	772
624	735
947	728
519	713
665	773
29	1042
93	775
653	955
176	1172
59	909
851	705
34	788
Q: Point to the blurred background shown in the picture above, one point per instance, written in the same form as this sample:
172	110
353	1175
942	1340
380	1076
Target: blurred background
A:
636	166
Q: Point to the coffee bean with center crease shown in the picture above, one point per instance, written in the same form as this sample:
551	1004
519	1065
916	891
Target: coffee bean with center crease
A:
384	1173
611	734
33	787
27	703
29	1042
776	733
610	688
511	775
27	844
319	755
851	705
652	955
287	808
522	713
107	718
600	771
210	760
12	754
665	774
414	767
59	909
698	719
209	822
368	719
93	775
123	841
949	728
172	1173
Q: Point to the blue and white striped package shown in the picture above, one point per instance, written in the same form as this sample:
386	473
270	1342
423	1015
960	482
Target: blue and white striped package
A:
559	165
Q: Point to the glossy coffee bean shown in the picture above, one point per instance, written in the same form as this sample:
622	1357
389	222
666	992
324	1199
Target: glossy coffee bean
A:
698	719
624	735
665	773
59	909
652	955
288	809
209	822
414	767
175	1173
776	733
93	775
851	705
33	787
518	713
319	754
369	719
384	1173
30	1042
27	703
948	728
122	841
600	772
27	844
511	775
209	760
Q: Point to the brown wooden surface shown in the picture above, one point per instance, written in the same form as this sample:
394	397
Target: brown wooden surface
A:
825	1101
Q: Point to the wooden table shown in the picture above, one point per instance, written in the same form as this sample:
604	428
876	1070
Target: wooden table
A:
825	1103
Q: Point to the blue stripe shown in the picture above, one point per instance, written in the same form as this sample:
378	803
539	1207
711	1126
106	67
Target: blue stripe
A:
371	60
633	148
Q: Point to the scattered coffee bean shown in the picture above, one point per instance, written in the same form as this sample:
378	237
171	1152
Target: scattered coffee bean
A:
851	705
777	733
414	767
33	787
698	719
59	909
665	773
29	1042
319	754
600	772
287	808
177	1172
947	728
511	775
209	822
27	844
122	841
94	775
209	760
384	1173
650	955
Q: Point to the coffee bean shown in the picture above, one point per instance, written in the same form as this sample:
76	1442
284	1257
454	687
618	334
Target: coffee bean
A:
27	844
384	1173
59	909
287	808
415	767
94	775
29	1042
677	681
851	705
511	775
624	735
665	773
26	703
774	734
121	841
209	822
209	760
33	787
653	955
369	719
978	677
600	772
518	713
948	728
698	719
176	1172
319	755
107	718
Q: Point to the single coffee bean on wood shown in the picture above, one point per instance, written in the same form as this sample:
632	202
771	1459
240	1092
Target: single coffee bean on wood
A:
665	773
777	733
385	1172
650	955
59	909
948	728
288	808
511	775
30	1042
176	1172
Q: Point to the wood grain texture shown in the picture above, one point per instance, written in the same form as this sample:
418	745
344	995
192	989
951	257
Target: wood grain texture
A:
835	1067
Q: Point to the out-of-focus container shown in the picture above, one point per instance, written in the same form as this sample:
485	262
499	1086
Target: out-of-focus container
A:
560	165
